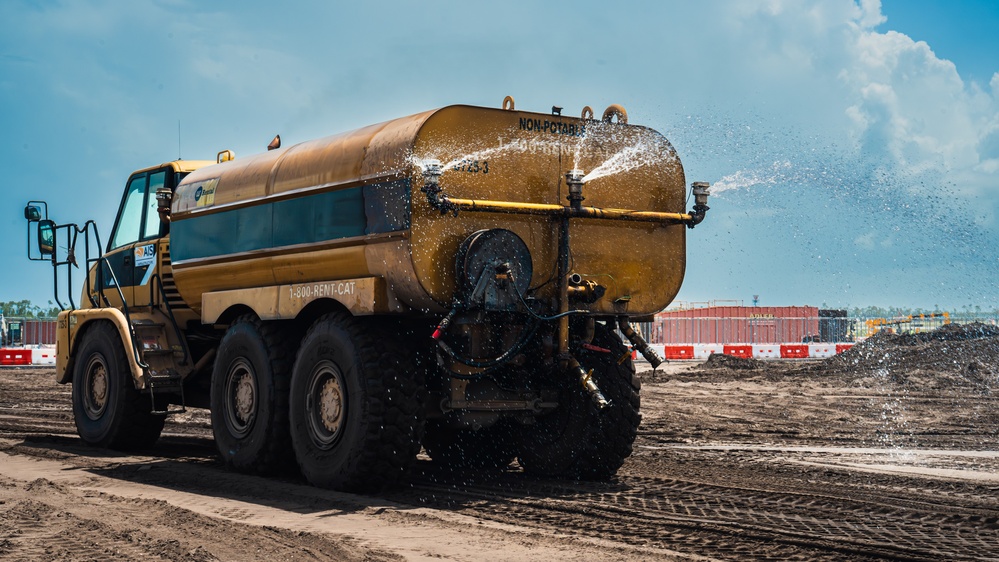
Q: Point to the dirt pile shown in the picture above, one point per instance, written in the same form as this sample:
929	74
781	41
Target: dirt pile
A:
717	368
956	357
953	356
721	361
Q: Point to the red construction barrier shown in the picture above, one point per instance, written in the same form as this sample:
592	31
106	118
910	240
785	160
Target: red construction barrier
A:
15	357
678	352
794	351
821	350
754	351
745	351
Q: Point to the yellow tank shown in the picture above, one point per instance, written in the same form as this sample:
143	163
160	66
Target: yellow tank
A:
350	206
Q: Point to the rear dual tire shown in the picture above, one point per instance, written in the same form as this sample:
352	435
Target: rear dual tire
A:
578	440
356	418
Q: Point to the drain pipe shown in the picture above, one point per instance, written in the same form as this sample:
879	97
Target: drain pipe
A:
639	342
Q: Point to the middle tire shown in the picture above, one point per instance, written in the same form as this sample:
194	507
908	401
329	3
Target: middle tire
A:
356	418
250	396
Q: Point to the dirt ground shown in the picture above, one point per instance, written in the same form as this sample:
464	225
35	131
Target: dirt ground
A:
887	452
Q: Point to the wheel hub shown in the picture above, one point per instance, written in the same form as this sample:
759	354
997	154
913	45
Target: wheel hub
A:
331	405
327	405
96	393
241	398
244	397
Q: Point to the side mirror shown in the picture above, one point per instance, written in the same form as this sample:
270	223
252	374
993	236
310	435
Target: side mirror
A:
46	237
33	213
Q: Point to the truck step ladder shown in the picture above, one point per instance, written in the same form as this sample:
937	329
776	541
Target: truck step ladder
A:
160	376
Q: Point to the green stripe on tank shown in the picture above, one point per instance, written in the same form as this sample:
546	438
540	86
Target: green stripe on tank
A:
355	211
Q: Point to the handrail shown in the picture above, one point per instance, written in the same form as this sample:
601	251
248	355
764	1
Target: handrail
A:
90	228
128	317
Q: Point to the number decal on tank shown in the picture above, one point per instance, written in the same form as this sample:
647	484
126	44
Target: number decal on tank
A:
472	166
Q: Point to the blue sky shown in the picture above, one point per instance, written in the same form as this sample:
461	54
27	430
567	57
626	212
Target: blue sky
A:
854	145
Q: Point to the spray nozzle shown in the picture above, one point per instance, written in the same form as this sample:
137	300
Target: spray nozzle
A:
432	170
701	191
574	179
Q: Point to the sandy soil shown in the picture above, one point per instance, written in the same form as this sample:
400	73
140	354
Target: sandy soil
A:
890	451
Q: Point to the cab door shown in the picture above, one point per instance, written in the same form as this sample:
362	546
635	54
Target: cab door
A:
131	254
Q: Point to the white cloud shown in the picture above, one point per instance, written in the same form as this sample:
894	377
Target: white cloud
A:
824	68
870	15
913	105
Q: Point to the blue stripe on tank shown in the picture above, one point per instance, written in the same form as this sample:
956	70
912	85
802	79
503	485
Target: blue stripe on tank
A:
355	211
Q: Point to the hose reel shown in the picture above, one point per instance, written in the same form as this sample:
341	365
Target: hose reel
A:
493	270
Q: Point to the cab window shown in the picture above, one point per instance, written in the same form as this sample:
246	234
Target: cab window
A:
137	217
130	215
151	229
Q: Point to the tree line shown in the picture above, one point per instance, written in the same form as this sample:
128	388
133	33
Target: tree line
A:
26	309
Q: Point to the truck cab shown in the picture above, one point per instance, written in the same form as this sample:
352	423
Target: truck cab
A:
129	320
138	247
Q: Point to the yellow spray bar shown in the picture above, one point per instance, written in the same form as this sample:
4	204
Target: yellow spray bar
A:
485	205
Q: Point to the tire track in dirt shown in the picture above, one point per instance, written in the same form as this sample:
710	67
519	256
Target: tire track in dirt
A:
737	504
203	498
768	524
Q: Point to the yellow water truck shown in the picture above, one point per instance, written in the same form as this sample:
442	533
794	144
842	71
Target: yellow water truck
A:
456	279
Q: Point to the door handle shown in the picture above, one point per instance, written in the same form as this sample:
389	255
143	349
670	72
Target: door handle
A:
127	259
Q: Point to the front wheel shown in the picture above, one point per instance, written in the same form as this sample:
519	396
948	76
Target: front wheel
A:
356	421
107	408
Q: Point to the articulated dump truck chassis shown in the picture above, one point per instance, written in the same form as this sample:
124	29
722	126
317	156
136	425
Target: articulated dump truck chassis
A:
461	280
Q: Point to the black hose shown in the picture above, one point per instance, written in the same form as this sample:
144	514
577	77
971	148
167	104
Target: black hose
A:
537	316
489	363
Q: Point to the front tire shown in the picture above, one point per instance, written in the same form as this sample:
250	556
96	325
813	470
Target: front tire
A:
356	420
108	410
249	397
